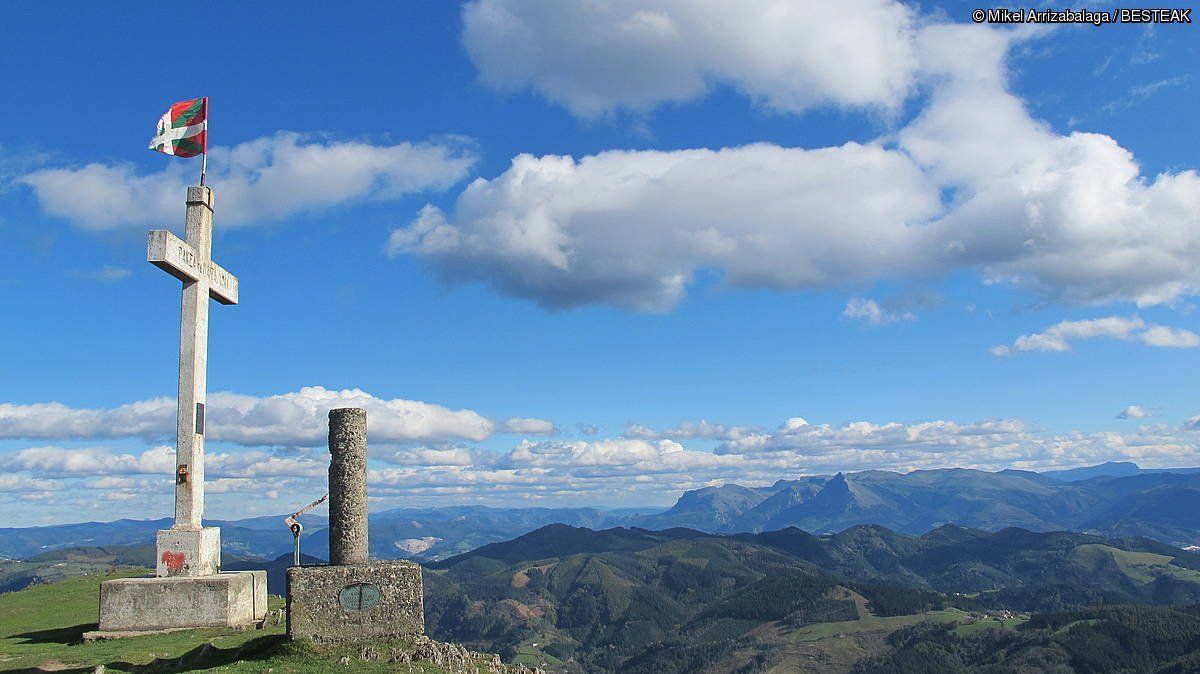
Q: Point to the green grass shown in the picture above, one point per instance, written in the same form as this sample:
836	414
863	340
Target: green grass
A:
15	575
868	622
874	624
1140	567
1071	625
967	629
41	629
528	655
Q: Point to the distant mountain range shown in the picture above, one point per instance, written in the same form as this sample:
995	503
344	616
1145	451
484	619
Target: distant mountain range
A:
420	533
949	559
1112	499
679	600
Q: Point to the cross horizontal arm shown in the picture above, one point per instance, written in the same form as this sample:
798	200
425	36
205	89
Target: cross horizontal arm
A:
176	257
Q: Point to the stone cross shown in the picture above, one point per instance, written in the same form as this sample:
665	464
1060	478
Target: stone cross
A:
188	588
190	261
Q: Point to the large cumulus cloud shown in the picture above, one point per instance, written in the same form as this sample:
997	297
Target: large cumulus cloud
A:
972	182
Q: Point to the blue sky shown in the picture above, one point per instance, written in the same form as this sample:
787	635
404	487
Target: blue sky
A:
596	254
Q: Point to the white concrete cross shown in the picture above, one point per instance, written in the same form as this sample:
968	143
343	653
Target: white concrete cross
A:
191	262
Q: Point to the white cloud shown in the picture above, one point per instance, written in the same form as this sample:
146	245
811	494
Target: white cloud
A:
529	426
863	445
259	464
151	418
1068	216
1193	423
120	496
788	55
1059	336
613	454
116	466
1133	412
119	482
632	228
1161	335
302	418
106	274
258	181
23	483
793	424
688	429
426	456
90	461
1139	94
869	311
297	418
934	436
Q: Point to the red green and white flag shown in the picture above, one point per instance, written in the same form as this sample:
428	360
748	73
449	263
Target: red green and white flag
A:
183	131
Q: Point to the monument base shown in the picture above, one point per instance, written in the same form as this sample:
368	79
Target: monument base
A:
230	599
338	604
188	552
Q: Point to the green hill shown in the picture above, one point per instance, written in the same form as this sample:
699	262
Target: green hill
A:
1100	640
681	601
671	601
56	565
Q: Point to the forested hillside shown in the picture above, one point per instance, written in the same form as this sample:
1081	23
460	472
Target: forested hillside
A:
680	600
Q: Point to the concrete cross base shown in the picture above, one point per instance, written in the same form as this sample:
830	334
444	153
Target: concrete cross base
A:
188	552
338	604
143	604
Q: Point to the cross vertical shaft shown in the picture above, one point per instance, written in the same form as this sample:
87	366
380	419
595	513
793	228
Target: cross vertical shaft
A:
188	548
193	367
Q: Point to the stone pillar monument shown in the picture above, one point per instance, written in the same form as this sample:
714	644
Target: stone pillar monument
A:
348	486
352	598
189	589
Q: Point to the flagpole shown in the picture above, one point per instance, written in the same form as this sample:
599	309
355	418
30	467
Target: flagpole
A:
204	150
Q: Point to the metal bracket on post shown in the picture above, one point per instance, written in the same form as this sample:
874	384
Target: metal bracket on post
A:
293	523
296	529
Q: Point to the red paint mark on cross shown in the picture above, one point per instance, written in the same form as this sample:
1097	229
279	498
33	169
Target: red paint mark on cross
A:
173	561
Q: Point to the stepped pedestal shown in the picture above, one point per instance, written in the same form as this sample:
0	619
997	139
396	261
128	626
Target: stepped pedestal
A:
228	599
188	591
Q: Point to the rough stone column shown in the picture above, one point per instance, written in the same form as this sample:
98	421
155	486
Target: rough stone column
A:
348	486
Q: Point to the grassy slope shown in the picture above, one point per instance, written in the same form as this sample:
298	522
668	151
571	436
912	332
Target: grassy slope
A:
41	629
836	646
1141	567
15	575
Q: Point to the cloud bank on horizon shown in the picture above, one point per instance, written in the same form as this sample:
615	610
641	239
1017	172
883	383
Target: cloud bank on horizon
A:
425	452
298	418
